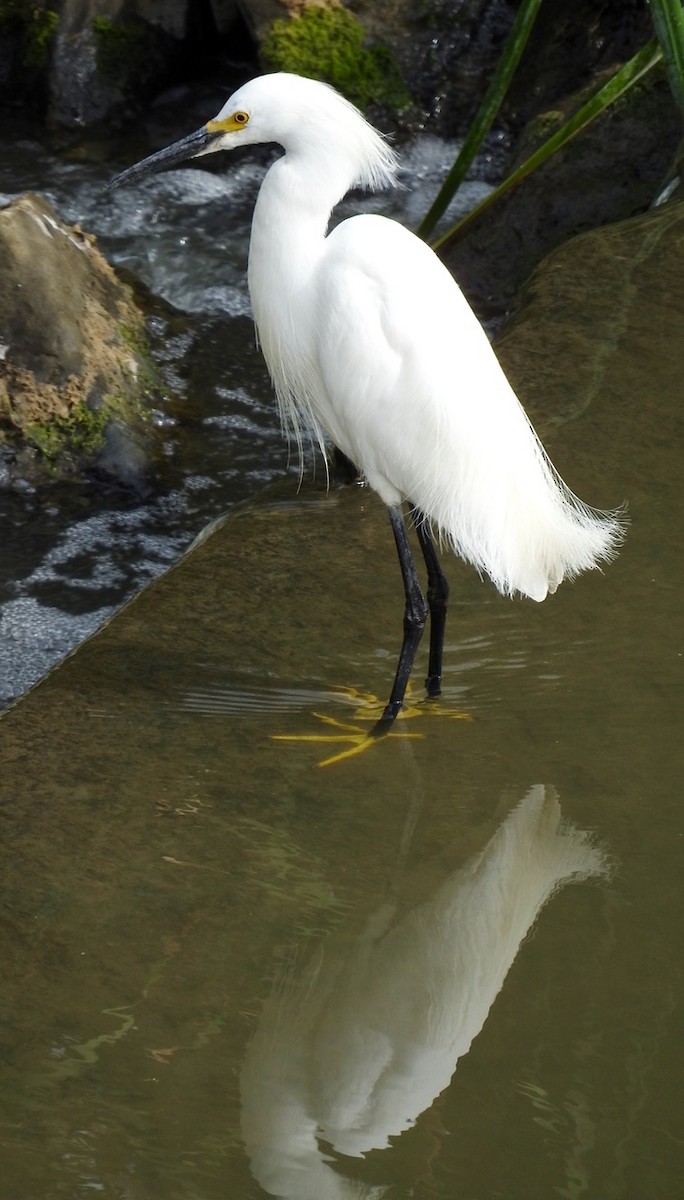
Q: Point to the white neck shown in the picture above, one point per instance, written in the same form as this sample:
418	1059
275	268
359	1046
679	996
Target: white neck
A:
289	225
287	244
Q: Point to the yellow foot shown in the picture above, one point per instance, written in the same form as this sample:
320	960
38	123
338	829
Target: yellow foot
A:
357	739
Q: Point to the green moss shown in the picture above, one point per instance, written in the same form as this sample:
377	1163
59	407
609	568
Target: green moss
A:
327	43
82	433
68	441
38	39
36	25
148	377
135	340
119	46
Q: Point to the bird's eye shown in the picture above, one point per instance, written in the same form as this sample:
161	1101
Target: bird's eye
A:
241	118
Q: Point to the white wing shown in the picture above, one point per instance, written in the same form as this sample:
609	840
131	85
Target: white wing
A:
415	396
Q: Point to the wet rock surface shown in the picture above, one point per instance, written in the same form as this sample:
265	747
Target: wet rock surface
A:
612	294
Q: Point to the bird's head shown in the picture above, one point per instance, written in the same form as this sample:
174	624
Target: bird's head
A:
301	115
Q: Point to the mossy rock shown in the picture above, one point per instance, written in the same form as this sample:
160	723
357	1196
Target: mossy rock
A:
27	33
326	42
36	26
76	377
129	53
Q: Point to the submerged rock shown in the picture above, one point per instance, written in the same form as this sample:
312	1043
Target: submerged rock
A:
74	370
602	317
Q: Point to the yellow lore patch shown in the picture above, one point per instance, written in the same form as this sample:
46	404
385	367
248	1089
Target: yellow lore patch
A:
238	120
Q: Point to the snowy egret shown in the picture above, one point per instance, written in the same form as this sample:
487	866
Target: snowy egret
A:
372	346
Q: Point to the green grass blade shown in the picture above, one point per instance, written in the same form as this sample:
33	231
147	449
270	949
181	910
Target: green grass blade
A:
613	90
668	20
482	122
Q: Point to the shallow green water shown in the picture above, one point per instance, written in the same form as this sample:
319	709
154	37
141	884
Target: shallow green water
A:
221	961
169	869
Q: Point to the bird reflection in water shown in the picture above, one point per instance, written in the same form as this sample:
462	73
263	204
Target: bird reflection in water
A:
355	1048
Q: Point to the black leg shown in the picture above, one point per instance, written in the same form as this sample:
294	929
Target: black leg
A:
415	616
437	596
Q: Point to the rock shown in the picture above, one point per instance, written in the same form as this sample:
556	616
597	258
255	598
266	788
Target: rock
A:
325	40
260	14
446	51
101	60
74	373
26	36
89	61
599	321
225	14
613	170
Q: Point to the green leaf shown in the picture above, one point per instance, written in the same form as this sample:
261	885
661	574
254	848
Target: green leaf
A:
668	19
510	57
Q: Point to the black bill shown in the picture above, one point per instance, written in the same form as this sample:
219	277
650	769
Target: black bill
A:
188	147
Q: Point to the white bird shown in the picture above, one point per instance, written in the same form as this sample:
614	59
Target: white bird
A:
372	346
